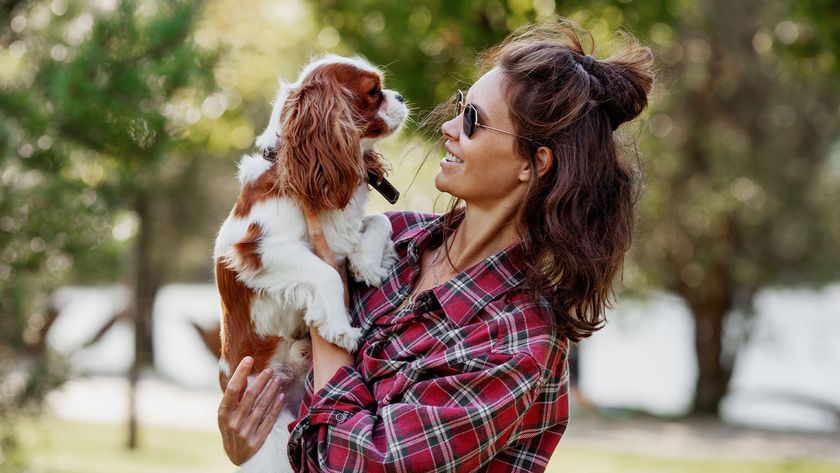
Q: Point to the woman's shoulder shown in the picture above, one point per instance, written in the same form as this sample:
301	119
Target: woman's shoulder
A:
526	325
404	221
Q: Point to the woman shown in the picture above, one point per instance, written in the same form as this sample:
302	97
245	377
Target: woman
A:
463	364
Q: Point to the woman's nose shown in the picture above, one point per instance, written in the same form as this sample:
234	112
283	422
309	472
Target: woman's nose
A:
450	128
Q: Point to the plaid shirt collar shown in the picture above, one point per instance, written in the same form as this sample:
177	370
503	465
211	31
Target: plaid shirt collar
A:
463	296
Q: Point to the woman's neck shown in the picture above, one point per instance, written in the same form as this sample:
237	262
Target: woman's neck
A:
482	233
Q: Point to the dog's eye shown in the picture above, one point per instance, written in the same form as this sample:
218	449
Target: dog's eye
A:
374	92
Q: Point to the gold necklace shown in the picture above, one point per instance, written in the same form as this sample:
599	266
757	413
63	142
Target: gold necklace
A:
433	263
410	299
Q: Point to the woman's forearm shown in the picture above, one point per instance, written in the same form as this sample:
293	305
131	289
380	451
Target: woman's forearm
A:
326	359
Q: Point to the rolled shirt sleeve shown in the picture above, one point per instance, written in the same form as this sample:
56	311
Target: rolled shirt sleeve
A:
448	423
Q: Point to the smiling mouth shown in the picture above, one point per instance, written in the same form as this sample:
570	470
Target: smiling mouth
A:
450	158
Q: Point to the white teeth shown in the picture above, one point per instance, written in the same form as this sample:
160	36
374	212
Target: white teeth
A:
452	159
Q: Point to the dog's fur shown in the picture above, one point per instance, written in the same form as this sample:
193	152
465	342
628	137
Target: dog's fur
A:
271	284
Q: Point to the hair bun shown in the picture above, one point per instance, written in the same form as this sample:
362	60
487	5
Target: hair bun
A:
625	81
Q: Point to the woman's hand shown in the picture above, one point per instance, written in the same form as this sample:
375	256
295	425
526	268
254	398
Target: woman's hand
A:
247	413
326	357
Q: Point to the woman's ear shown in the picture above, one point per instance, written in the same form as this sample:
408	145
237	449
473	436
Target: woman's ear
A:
320	152
543	161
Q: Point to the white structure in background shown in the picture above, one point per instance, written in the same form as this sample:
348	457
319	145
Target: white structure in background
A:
83	311
794	352
643	358
179	353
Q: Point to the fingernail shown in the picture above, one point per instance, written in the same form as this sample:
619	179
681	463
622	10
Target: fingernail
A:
268	371
247	361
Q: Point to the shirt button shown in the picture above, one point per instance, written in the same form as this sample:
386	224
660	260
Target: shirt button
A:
341	416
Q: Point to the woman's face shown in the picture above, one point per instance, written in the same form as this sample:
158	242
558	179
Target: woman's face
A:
487	171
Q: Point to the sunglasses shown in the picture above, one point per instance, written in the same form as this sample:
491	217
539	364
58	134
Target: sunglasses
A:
470	120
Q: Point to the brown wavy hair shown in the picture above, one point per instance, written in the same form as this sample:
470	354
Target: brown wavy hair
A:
577	219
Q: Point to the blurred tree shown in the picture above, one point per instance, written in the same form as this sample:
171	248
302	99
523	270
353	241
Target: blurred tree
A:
93	132
427	47
741	187
52	225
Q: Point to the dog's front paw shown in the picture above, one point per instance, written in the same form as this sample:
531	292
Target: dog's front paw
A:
389	258
346	337
369	269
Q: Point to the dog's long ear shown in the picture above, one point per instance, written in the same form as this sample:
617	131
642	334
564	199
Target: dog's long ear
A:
320	152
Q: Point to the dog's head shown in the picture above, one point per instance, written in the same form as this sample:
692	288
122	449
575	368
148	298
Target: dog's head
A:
323	128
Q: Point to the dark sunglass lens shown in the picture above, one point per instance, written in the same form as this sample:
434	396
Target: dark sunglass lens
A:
469	120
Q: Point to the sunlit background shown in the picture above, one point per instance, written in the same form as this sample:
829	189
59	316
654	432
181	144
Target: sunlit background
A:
123	122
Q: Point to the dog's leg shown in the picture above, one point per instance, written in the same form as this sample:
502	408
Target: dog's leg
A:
289	270
374	255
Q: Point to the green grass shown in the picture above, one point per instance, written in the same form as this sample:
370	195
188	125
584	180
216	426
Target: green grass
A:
591	460
60	446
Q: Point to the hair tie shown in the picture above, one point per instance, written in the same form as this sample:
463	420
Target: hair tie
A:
587	61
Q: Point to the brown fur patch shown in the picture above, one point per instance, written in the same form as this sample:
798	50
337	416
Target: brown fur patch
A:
249	246
239	337
361	83
320	150
263	188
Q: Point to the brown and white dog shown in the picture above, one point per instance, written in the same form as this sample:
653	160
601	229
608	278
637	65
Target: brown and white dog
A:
317	156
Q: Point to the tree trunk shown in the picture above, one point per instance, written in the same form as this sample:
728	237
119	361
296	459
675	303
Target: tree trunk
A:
145	287
713	377
709	305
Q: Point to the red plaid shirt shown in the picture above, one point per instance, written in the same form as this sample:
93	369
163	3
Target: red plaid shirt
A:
469	377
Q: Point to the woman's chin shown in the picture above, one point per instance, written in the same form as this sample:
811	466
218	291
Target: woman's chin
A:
442	184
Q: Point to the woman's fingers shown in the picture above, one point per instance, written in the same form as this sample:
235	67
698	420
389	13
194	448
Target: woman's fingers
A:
266	398
236	384
270	418
249	399
248	411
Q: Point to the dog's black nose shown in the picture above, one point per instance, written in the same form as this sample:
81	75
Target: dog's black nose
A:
399	98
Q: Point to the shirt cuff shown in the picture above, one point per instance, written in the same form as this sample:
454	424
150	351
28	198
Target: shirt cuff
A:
344	395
